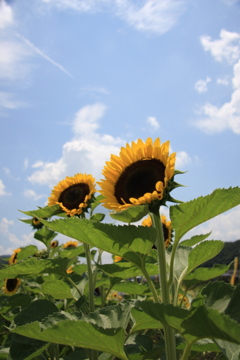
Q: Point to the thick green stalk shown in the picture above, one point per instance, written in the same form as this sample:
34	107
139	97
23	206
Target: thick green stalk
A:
165	295
150	284
90	277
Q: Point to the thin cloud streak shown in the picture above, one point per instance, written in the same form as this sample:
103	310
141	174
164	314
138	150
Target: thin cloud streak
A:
43	55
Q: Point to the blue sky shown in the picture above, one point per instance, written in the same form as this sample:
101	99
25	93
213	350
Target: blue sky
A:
80	78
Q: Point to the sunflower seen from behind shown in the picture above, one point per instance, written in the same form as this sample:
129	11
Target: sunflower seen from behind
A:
73	194
143	173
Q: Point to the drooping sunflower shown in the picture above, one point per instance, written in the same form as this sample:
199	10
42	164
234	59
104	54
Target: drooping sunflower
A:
166	226
13	257
73	194
140	174
54	244
71	244
11	285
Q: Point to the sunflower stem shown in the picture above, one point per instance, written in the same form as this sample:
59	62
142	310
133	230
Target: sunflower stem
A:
90	277
150	284
165	294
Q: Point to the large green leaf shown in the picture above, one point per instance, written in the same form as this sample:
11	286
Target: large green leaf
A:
203	252
233	309
126	270
45	212
27	252
194	240
45	235
218	295
144	321
230	350
130	215
26	267
57	289
102	331
131	287
126	241
204	274
187	215
210	323
167	314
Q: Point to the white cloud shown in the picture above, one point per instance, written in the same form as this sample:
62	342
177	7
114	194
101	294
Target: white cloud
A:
25	164
86	152
31	194
7	171
182	159
6	15
7	101
224	227
215	119
223	81
227	47
152	121
201	85
4	230
2	189
152	16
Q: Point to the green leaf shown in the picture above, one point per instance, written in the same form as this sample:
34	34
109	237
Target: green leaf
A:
26	351
218	295
45	235
26	267
230	350
202	345
144	321
137	345
203	252
97	217
131	287
204	274
233	309
209	323
72	253
126	270
194	240
187	215
125	241
130	215
57	289
45	212
27	252
68	330
167	314
11	302
96	202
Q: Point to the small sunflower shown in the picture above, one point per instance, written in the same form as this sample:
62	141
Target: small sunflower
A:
11	285
71	244
167	229
13	258
54	244
69	270
73	193
36	223
141	174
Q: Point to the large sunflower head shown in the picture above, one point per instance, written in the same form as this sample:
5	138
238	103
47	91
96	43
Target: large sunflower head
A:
11	285
166	226
13	257
142	173
73	194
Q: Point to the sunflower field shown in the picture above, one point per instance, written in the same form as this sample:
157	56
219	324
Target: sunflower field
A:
154	301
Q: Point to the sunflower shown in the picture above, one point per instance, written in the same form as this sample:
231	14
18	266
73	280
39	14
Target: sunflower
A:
36	223
167	229
13	258
11	286
54	244
69	270
73	194
141	174
71	244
